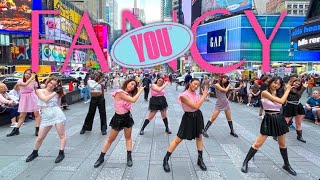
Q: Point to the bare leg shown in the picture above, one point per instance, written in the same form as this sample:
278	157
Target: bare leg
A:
174	144
62	135
127	135
37	118
42	135
22	117
112	136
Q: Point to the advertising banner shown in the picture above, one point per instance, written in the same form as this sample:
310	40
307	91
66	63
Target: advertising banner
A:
58	29
15	15
79	57
70	15
101	31
230	5
216	41
53	53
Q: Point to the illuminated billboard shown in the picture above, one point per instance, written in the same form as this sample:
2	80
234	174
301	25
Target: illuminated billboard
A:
15	16
231	5
58	29
70	15
186	12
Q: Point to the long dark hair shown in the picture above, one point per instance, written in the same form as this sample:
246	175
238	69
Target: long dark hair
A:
35	78
225	84
134	91
59	84
280	91
188	85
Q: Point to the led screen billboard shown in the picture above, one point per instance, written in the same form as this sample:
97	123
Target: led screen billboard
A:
15	16
231	5
186	12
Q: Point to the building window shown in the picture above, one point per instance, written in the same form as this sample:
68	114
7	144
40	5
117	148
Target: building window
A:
294	12
289	6
300	12
289	12
295	6
301	6
306	6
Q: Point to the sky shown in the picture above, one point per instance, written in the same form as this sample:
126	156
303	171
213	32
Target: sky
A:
152	9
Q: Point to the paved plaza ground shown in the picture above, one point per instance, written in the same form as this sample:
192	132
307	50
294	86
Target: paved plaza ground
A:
223	154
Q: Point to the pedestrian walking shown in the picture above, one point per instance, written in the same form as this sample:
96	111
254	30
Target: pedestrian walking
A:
146	81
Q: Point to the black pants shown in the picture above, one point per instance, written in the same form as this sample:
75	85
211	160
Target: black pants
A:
63	100
146	93
95	102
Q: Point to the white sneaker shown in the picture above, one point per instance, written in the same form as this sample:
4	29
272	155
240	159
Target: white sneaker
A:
261	117
14	125
248	104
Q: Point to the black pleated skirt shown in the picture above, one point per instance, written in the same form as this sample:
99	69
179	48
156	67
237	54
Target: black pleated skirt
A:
120	121
273	125
158	103
191	125
290	110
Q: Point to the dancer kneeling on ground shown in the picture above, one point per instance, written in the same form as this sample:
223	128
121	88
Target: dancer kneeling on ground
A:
273	123
122	119
192	122
51	114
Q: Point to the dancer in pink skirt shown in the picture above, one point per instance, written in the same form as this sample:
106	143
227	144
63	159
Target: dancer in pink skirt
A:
28	100
222	104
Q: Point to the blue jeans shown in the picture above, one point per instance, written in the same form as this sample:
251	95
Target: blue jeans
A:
314	112
86	94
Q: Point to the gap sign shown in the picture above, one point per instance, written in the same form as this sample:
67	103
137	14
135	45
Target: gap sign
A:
216	41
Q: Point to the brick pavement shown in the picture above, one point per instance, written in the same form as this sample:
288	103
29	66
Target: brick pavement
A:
223	154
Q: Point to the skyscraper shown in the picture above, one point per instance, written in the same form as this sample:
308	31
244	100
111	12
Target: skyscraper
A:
166	10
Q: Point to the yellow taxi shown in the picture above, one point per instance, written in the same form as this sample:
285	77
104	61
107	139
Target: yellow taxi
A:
42	77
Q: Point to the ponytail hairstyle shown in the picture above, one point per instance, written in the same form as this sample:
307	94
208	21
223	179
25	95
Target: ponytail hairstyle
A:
188	85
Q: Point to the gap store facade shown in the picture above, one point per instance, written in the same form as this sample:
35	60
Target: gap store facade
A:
230	40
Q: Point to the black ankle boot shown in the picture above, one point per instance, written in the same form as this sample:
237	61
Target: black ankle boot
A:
286	166
104	130
166	166
100	160
83	130
129	159
165	121
15	131
32	156
231	128
299	136
37	131
250	154
204	132
146	122
200	162
60	156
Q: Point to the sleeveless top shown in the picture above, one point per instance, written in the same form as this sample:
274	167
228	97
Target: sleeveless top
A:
221	95
30	88
51	103
157	93
121	106
270	105
94	86
193	96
